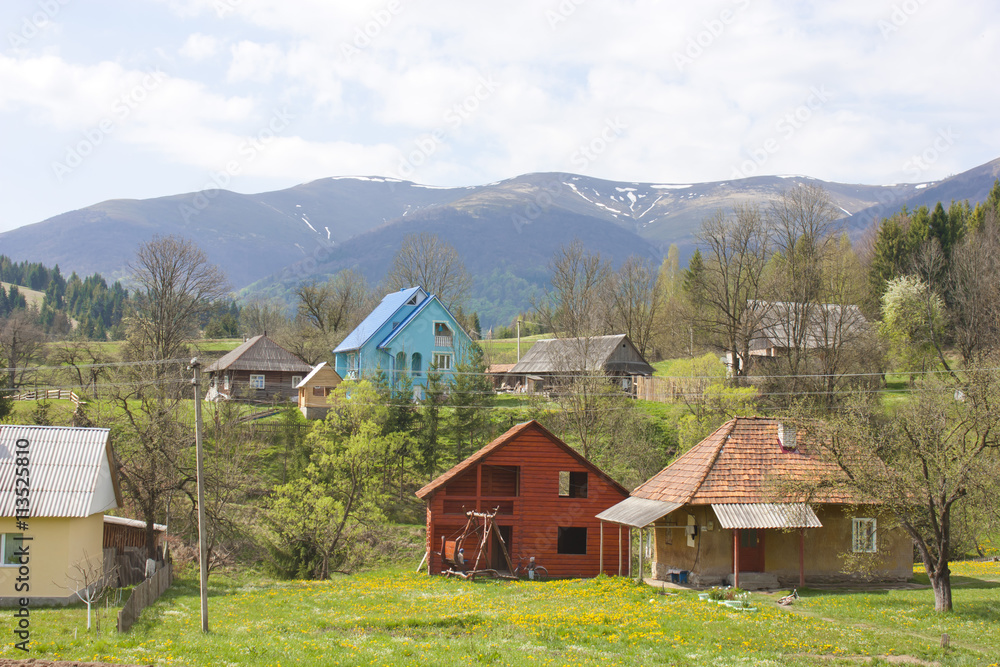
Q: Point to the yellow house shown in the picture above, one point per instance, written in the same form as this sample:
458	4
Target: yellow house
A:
732	510
314	388
55	485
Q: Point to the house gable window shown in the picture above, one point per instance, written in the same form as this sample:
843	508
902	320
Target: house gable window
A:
863	536
256	381
10	544
572	484
442	362
319	391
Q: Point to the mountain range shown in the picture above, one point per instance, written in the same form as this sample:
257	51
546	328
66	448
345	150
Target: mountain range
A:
506	232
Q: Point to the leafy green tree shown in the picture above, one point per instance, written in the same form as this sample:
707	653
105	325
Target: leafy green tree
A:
913	319
471	398
315	524
932	454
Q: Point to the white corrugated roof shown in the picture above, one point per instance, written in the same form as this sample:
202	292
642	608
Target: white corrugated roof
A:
766	515
69	471
637	512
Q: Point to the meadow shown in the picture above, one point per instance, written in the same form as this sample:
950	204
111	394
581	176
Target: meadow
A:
394	616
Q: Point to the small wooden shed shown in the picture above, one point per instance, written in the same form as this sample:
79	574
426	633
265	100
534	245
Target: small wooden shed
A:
314	389
547	496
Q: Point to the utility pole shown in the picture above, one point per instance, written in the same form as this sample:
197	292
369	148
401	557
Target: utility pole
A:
202	539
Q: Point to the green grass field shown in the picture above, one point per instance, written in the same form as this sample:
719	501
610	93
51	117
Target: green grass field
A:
394	616
504	350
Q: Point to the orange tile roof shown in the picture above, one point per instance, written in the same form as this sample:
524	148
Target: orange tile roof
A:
743	462
500	442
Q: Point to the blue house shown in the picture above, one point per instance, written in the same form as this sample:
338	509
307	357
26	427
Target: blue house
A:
408	332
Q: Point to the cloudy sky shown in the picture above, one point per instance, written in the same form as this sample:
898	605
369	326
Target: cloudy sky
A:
103	99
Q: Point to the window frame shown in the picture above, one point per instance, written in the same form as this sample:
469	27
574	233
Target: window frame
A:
577	538
570	485
441	355
296	380
867	542
258	381
3	549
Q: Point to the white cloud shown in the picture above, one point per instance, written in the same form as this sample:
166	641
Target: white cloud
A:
199	46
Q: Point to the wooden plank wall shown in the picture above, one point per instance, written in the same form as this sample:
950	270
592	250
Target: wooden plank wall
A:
537	511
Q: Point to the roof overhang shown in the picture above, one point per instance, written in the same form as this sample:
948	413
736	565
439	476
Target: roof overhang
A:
637	512
766	515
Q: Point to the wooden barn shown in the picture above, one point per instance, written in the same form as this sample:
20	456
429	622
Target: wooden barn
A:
258	369
546	495
556	359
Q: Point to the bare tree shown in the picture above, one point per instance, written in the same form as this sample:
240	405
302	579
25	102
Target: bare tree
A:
263	316
427	261
632	301
577	307
727	292
326	312
176	284
20	343
973	285
84	359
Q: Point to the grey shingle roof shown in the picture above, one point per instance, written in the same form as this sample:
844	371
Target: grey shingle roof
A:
574	355
260	353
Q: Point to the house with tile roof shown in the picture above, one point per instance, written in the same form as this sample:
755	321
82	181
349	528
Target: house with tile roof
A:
755	504
256	370
56	483
409	332
546	495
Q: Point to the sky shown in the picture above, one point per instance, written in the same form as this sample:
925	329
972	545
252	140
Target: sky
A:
109	99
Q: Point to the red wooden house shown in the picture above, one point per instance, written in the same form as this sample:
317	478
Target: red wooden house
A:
547	496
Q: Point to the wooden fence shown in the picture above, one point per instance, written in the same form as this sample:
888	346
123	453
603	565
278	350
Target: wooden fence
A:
49	395
144	595
670	389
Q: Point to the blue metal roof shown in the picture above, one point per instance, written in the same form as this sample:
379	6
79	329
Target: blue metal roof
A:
382	313
416	311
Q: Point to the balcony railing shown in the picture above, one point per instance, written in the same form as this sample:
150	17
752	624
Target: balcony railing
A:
442	341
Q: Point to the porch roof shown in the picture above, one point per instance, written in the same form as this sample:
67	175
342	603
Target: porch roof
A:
637	512
766	515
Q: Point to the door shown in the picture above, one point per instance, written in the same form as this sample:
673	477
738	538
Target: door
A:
751	550
497	561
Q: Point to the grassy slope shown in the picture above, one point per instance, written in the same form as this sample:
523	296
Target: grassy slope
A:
504	350
33	297
397	617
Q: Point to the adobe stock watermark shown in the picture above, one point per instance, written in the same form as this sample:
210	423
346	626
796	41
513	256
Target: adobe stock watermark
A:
121	109
562	12
921	162
33	24
712	29
586	153
899	16
543	199
246	153
426	145
790	123
365	34
225	7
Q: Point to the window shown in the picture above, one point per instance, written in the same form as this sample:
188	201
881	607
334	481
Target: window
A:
225	381
256	381
442	362
572	540
863	534
296	379
319	391
11	542
572	484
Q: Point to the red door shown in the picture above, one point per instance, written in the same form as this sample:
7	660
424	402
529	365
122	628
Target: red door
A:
751	550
